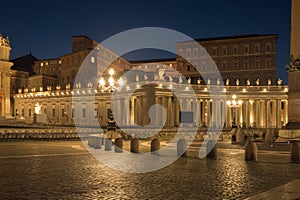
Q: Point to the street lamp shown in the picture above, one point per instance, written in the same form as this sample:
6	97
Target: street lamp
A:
111	82
234	104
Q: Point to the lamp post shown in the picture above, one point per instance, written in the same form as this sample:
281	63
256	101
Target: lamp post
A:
111	82
233	103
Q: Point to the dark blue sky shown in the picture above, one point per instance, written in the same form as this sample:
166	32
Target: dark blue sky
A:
45	27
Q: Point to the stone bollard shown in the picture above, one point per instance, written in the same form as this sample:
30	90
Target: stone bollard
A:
181	148
135	146
295	153
155	146
97	142
240	136
107	144
269	137
250	151
90	138
211	149
119	145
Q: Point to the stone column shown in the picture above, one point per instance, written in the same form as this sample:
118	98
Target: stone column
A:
294	81
278	114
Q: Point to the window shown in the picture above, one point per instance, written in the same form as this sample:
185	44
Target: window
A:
246	63
246	49
189	68
47	63
73	113
214	51
257	48
224	50
42	64
235	50
22	112
53	112
269	63
269	47
257	63
195	52
235	64
224	65
92	59
29	112
62	112
84	113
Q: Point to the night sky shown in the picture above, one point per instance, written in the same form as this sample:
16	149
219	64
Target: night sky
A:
45	27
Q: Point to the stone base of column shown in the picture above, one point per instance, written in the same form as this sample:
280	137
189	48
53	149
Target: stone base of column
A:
293	125
289	133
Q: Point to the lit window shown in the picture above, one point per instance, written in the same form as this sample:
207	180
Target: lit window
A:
59	62
47	63
42	64
92	59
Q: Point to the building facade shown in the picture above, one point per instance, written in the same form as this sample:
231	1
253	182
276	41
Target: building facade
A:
246	64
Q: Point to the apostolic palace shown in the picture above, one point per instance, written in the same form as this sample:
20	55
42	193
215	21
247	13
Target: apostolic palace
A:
47	87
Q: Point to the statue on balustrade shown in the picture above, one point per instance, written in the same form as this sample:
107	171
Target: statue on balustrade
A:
294	64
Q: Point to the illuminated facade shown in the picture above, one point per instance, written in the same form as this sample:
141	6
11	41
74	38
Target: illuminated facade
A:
246	63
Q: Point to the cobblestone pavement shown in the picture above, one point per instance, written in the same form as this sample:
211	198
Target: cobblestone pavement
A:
65	170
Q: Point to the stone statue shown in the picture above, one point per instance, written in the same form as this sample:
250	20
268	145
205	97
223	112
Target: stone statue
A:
269	82
257	81
161	74
170	79
218	81
137	78
208	81
237	82
294	64
248	82
145	77
199	81
90	85
41	89
279	82
68	86
227	81
189	80
4	42
180	79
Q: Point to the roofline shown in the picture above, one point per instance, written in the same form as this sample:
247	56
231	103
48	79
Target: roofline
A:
230	37
152	60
